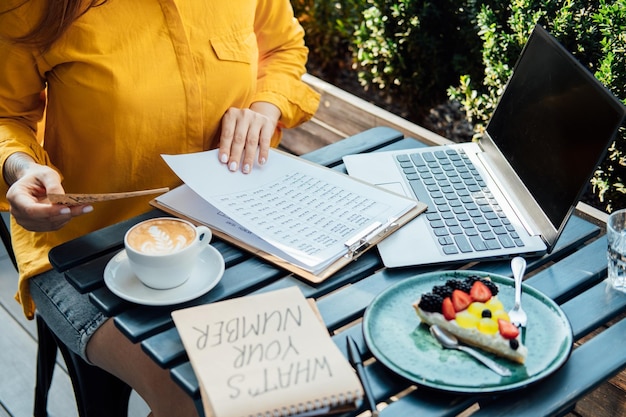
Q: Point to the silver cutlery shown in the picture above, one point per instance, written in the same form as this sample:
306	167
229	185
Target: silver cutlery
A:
517	315
449	341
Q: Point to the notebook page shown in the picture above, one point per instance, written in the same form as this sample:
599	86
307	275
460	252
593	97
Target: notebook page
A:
265	353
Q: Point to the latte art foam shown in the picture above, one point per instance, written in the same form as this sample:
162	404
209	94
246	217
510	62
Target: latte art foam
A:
161	237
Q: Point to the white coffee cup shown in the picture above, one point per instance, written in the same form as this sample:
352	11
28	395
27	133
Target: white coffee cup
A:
162	252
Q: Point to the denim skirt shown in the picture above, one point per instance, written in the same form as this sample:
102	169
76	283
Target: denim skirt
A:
68	313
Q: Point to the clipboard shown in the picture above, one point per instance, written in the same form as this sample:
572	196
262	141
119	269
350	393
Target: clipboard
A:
355	247
201	201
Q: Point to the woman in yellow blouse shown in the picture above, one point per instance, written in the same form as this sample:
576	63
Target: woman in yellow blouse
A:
121	82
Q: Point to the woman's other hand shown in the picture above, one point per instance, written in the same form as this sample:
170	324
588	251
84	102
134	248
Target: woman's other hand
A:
246	132
31	182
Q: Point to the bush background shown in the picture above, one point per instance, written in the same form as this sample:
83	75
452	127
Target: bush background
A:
411	56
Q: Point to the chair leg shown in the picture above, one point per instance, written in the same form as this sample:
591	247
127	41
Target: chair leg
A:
97	393
5	236
46	361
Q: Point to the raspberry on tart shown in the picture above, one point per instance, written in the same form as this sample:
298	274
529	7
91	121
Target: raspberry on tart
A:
469	308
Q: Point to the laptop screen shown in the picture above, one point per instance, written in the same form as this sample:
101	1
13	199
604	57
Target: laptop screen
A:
553	124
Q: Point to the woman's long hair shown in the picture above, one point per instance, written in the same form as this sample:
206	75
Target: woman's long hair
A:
56	19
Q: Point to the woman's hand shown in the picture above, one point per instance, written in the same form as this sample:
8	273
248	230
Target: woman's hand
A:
246	132
28	195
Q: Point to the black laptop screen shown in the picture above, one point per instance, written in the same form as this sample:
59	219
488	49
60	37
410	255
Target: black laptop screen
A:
552	124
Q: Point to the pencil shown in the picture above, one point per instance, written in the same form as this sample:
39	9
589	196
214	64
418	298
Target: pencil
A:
354	355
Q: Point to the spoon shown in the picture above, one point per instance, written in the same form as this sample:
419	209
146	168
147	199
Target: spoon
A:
517	315
449	341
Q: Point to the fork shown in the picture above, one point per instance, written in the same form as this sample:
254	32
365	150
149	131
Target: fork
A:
517	315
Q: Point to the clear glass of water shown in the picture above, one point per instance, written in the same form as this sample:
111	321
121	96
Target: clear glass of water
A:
616	235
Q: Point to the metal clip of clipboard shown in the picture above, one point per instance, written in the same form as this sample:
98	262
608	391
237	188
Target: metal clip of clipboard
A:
359	243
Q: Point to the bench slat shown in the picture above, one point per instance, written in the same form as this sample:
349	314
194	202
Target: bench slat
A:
559	392
572	274
591	309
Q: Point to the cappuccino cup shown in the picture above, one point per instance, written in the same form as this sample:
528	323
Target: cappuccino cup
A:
163	252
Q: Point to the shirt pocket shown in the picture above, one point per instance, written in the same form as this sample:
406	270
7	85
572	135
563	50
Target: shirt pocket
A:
237	47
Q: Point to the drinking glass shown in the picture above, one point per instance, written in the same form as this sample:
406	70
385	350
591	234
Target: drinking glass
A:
616	235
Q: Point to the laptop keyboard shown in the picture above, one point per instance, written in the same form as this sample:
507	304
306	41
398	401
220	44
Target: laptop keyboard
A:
462	212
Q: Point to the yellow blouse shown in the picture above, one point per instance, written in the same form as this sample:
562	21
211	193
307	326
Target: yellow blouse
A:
133	79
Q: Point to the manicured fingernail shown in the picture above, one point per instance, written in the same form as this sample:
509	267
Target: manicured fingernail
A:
87	209
246	168
233	166
223	158
262	161
65	210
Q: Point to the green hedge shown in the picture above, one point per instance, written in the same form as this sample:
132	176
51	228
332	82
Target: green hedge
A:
419	53
329	27
595	32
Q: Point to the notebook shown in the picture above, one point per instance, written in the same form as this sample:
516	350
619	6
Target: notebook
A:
512	192
267	354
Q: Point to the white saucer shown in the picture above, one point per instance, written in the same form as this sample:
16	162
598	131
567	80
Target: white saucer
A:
123	283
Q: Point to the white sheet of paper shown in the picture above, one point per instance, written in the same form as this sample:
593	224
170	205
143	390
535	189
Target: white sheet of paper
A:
306	211
184	200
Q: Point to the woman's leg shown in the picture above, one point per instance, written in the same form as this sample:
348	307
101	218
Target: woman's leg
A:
130	364
86	332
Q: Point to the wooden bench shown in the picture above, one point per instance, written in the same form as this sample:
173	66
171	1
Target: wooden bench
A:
341	114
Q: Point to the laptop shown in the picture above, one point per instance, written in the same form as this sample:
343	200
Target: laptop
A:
512	192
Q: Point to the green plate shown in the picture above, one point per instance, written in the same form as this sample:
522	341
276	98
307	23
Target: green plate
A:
396	337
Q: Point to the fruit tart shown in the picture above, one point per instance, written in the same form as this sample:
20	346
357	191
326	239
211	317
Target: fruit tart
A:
469	308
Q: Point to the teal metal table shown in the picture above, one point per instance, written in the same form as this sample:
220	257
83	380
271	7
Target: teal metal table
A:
573	275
